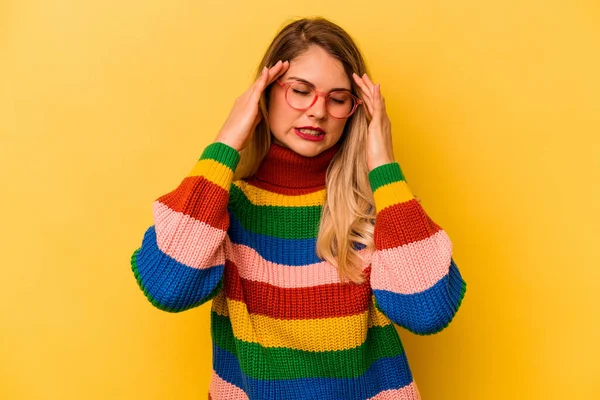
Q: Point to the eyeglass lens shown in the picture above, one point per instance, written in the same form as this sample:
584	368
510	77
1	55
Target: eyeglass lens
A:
339	104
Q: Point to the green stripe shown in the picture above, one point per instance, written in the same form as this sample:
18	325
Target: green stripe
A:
384	174
276	221
267	363
222	153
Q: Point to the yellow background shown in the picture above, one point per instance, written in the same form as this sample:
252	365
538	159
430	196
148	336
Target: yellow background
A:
105	106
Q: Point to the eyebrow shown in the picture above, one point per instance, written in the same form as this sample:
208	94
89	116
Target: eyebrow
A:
313	85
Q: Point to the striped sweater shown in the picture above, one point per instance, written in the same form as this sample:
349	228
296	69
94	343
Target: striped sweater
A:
283	325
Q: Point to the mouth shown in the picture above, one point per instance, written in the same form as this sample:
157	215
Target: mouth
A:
310	134
311	130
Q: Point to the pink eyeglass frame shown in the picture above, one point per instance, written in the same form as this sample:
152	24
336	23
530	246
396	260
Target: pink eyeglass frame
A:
285	85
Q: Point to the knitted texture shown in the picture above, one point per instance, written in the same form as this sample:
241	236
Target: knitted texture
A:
283	326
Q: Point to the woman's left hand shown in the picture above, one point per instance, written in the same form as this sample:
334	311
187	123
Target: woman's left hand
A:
379	138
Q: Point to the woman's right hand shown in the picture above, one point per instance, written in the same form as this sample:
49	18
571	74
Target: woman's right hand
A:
245	114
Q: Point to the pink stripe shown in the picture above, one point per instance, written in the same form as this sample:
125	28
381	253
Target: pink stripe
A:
408	392
252	266
414	267
220	389
187	240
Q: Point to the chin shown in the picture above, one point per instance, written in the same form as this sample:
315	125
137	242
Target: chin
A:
308	149
303	147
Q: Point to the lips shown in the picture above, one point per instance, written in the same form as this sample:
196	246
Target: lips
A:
317	137
314	128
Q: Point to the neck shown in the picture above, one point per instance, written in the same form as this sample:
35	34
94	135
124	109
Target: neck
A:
285	171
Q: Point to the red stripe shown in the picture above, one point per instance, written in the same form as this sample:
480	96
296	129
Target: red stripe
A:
201	199
323	301
401	224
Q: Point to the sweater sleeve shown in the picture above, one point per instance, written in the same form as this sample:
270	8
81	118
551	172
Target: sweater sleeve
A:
414	278
182	256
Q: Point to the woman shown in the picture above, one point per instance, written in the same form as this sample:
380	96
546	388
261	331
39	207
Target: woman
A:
299	225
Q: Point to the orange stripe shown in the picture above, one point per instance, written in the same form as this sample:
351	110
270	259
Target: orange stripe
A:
401	224
186	199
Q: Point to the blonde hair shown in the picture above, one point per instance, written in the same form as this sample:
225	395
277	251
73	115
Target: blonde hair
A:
348	213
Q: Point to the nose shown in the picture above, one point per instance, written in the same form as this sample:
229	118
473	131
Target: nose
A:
319	109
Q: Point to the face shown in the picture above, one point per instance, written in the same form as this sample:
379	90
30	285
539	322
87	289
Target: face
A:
325	73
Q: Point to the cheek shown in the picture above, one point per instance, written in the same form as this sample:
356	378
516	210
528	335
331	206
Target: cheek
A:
338	127
281	116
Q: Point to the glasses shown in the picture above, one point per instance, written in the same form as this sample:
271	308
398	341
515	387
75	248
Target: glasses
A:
302	96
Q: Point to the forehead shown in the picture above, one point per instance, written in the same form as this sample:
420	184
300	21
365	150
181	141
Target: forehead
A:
319	68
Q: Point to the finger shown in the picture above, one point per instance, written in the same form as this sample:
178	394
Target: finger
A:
267	77
265	68
380	112
264	73
255	91
276	72
369	82
362	85
369	113
370	109
377	102
275	67
269	70
366	93
381	95
381	99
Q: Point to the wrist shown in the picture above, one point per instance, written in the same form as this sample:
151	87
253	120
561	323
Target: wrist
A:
385	174
223	139
223	153
379	163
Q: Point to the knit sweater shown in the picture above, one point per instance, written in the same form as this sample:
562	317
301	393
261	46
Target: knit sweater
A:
283	325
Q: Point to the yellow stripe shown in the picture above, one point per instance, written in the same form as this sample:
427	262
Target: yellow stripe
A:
261	197
393	193
321	334
214	171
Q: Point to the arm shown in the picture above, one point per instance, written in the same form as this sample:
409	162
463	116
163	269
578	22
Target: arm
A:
414	278
182	256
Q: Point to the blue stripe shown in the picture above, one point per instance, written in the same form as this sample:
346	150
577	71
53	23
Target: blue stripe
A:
384	374
429	311
290	252
169	284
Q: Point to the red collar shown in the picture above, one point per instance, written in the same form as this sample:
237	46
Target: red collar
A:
287	172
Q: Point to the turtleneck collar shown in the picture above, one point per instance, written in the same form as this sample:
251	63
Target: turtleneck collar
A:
285	171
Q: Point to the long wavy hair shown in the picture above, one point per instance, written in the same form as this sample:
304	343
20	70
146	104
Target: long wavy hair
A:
348	213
